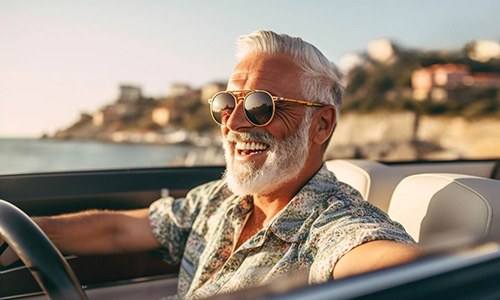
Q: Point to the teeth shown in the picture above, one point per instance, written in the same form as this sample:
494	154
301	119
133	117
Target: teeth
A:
253	146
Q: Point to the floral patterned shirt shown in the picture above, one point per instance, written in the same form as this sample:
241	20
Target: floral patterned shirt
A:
324	221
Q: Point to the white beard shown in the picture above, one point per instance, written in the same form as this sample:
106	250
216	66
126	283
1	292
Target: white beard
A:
285	160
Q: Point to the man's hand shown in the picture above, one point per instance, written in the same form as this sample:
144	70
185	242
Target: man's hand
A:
7	255
374	255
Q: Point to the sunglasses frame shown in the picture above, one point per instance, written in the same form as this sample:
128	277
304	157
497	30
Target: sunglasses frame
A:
241	95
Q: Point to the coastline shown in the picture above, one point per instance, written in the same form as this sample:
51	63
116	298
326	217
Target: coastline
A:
35	155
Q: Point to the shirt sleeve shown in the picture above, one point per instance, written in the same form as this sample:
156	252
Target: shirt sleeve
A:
348	229
172	219
171	222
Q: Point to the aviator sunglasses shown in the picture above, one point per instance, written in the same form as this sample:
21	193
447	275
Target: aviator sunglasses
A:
259	105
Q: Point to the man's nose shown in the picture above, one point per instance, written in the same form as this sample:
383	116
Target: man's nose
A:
238	120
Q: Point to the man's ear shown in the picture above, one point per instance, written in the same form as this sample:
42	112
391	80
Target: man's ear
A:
325	119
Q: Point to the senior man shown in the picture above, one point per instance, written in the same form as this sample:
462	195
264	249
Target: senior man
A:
278	211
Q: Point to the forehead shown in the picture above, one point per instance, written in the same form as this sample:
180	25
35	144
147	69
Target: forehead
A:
276	73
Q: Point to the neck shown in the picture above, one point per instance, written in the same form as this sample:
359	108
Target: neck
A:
267	206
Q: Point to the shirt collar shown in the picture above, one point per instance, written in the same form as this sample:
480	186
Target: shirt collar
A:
290	223
239	209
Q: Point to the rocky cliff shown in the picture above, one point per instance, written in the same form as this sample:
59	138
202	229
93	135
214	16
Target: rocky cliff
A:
408	136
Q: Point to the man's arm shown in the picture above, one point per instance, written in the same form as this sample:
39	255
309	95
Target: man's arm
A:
374	255
100	232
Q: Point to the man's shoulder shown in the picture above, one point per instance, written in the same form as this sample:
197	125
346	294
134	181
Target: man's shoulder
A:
342	204
348	214
326	185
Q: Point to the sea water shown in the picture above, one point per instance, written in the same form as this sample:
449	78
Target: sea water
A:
18	156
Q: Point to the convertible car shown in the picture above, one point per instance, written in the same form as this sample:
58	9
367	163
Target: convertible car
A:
451	208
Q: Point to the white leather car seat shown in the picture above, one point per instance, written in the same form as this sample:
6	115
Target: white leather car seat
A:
433	205
375	181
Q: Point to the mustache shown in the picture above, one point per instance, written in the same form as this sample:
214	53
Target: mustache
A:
262	137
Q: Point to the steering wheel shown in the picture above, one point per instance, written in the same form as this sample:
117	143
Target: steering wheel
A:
40	256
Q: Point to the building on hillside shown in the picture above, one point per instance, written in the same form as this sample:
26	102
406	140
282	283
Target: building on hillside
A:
443	82
125	108
166	112
179	89
436	81
382	51
483	50
351	60
129	93
115	112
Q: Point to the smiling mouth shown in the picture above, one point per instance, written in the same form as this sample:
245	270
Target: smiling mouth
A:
250	148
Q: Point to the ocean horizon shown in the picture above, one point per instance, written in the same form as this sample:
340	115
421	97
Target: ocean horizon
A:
21	155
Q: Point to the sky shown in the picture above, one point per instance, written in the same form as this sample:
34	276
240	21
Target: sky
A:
61	58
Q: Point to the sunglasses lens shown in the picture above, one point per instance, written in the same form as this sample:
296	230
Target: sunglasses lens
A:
222	106
259	108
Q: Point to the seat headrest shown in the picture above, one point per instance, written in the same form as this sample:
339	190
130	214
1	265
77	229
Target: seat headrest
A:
430	205
374	181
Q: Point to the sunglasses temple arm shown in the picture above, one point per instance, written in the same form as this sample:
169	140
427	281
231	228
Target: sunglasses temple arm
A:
308	103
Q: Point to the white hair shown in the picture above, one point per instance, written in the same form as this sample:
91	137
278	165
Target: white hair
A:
321	80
